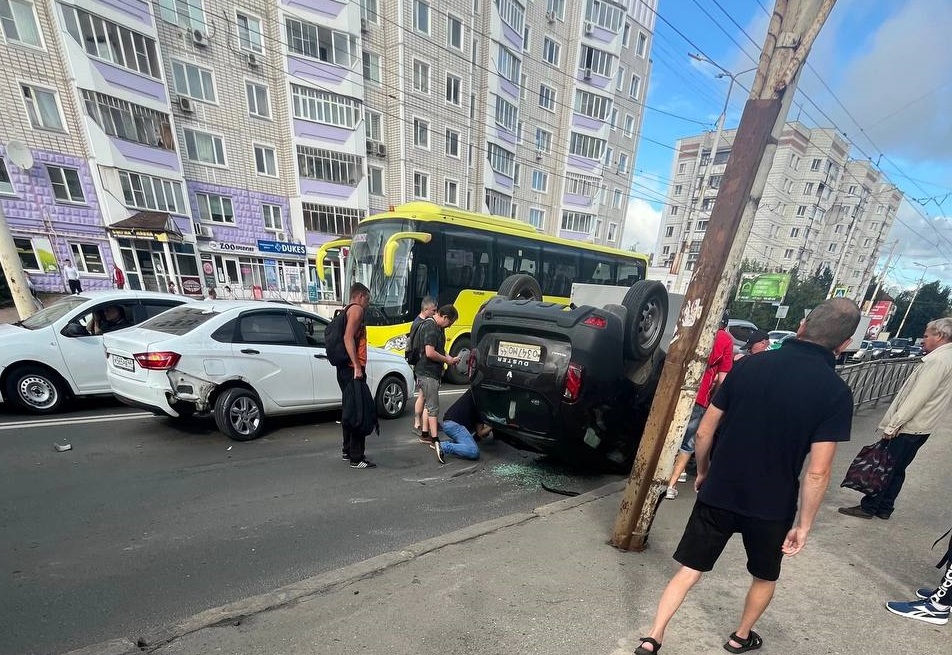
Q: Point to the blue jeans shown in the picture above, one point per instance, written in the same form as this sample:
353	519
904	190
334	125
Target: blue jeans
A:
690	433
903	448
463	444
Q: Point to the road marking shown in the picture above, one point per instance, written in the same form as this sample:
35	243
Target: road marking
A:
57	422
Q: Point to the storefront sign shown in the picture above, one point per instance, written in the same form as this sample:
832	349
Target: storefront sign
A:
231	247
191	286
282	248
312	292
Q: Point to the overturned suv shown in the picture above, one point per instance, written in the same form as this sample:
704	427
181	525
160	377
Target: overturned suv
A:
575	382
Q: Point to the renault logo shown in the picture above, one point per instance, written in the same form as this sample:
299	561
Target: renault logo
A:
509	376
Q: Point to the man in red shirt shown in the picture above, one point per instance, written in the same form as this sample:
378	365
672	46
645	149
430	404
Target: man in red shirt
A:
718	364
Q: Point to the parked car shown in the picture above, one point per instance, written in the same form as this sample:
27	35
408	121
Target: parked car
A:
776	336
915	351
739	331
878	349
240	361
899	347
862	353
574	382
52	356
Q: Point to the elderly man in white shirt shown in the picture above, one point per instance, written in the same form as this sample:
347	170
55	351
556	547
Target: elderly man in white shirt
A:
72	277
913	415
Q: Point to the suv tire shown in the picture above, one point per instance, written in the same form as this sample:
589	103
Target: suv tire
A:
239	415
647	305
520	287
452	373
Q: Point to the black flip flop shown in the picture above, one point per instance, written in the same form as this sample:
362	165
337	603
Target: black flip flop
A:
645	651
753	642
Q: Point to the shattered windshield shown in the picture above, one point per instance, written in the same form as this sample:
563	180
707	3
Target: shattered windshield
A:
389	296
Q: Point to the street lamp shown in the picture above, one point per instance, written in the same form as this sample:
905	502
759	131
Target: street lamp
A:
916	292
710	162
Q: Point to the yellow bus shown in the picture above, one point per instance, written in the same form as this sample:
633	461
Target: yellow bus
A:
421	249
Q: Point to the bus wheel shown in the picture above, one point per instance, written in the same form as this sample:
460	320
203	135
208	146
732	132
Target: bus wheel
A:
647	305
520	287
457	374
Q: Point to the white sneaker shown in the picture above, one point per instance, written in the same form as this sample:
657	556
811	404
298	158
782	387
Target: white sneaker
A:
683	477
671	494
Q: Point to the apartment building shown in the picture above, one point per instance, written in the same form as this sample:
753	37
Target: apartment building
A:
820	209
209	143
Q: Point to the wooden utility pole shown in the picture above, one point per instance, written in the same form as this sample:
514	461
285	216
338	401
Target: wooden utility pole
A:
793	28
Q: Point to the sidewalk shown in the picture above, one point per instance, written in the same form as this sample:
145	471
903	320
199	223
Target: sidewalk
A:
8	313
548	582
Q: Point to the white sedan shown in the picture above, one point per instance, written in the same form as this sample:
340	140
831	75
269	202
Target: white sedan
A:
57	352
240	361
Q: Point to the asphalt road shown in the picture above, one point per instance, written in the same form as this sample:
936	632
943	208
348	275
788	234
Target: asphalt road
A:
146	521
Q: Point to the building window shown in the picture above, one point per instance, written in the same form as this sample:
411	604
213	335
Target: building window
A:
453	85
266	162
526	38
674	210
543	140
454	32
612	231
634	90
28	258
540	181
641	46
669	231
185	13
329	165
794	162
325	107
129	122
19	22
512	12
681	168
832	247
258	100
837	230
371	67
678	189
815	165
788	253
250	36
421	16
616	198
605	15
577	222
801	210
321	43
586	146
508	65
147	192
547	97
369	11
551	51
581	185
452	143
808	188
537	218
623	163
498	204
507	114
42	106
629	125
123	47
421	133
204	148
620	79
421	185
215	208
272	217
421	76
451	192
329	219
6	186
592	105
375	180
556	8
88	258
794	232
372	125
501	160
66	184
193	81
596	62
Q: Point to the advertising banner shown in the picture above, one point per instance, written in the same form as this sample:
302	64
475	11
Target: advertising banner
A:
880	312
763	287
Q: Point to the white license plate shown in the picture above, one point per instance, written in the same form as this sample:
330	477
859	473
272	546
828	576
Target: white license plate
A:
125	363
520	351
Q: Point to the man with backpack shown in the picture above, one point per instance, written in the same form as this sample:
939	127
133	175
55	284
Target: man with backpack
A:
348	352
429	370
427	309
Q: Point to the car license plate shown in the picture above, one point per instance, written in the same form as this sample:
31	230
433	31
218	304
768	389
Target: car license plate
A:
125	363
520	351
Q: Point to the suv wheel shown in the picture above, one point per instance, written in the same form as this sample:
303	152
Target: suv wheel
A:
647	305
36	389
452	373
520	287
239	415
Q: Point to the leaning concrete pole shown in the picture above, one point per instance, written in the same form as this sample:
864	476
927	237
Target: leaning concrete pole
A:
13	271
792	31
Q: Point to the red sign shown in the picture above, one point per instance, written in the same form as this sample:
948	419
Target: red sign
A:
192	286
879	314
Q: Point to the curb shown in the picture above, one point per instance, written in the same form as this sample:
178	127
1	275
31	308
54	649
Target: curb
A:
332	580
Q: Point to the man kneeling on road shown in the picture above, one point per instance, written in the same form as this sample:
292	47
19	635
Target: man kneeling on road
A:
463	426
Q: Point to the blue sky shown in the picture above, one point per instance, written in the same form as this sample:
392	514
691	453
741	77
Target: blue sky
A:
878	72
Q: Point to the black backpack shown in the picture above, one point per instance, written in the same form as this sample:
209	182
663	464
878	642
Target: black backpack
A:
334	338
413	351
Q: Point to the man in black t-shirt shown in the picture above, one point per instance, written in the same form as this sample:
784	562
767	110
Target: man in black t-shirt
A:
429	370
764	433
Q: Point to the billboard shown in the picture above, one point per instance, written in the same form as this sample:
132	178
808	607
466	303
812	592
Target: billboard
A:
880	312
763	287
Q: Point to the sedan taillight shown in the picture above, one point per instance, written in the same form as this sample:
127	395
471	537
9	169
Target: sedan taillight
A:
160	361
573	383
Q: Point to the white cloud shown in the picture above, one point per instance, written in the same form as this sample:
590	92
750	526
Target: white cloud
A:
641	226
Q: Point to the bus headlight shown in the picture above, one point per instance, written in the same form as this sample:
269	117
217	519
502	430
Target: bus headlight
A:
397	343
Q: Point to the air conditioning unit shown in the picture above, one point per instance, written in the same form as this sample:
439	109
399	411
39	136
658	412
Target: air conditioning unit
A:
203	231
588	74
199	38
185	104
281	236
371	148
539	154
252	59
381	150
364	25
550	16
589	28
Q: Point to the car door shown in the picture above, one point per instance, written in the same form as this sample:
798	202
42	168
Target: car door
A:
83	353
268	353
310	328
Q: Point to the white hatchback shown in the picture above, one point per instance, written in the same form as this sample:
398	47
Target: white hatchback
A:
57	352
240	361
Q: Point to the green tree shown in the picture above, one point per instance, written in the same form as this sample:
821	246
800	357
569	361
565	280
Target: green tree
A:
932	302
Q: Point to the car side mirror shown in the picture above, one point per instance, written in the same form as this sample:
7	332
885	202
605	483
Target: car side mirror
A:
75	330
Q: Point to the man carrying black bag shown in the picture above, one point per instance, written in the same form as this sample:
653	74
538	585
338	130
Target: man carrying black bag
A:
355	342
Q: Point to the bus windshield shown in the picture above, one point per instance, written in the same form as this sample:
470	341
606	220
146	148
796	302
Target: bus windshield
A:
390	303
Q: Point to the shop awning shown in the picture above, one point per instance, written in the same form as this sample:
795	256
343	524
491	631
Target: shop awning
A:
151	226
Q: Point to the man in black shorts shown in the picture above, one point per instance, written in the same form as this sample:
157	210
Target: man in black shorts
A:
750	486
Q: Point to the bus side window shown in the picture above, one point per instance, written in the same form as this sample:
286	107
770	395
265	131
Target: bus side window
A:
628	274
559	271
466	257
595	271
422	277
